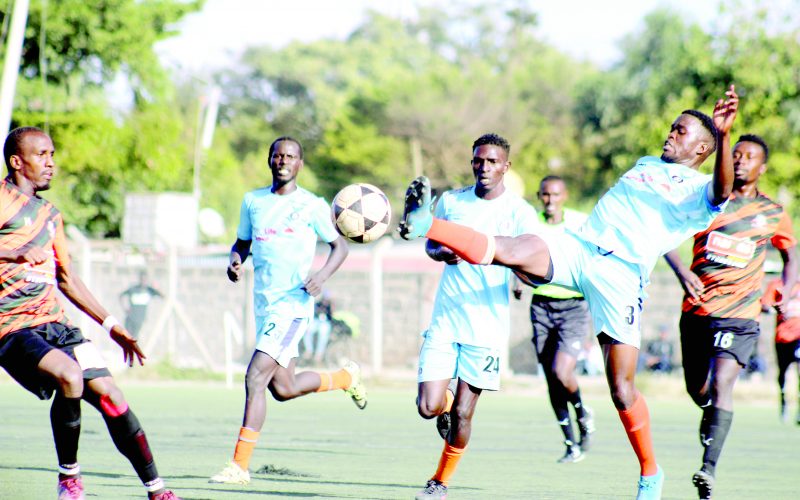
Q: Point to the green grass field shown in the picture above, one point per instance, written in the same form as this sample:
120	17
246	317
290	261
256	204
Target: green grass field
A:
321	446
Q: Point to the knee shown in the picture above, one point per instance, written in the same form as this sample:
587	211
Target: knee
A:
427	409
623	394
462	414
70	379
280	393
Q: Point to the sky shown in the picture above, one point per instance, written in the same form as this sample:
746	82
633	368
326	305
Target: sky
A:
212	38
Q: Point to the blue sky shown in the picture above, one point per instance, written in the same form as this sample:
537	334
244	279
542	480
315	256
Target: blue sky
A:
212	38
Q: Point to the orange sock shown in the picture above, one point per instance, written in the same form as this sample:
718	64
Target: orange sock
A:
448	463
469	244
636	421
244	447
449	397
339	379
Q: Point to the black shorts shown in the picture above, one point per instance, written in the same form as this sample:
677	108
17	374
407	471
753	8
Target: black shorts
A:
787	352
559	325
22	350
704	337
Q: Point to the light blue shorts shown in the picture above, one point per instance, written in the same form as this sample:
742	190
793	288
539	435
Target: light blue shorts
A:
613	288
443	360
279	336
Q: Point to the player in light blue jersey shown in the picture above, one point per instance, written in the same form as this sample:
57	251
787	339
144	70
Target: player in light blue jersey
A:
652	209
281	224
469	327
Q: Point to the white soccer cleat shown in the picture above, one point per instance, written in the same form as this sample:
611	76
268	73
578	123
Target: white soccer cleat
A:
231	474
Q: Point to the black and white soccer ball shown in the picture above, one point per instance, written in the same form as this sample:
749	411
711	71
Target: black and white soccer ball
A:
361	212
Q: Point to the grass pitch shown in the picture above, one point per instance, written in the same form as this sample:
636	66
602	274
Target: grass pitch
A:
321	446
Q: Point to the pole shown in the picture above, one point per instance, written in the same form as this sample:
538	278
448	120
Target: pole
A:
16	37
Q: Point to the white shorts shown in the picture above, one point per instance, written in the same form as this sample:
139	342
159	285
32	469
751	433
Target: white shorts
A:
279	336
477	366
613	288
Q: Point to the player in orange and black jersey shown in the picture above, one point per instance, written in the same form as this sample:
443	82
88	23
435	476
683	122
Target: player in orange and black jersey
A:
38	346
723	289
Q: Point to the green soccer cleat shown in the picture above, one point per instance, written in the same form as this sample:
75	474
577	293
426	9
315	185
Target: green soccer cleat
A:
357	389
650	486
704	482
231	474
433	490
417	217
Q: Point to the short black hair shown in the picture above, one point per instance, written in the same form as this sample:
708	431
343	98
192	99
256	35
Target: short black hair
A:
551	177
14	142
758	140
492	140
284	138
707	122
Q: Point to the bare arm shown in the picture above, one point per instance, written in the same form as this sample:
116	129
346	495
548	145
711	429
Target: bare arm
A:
689	281
788	275
76	291
339	251
239	253
724	116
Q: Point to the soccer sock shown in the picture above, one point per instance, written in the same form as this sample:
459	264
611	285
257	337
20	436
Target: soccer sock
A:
130	440
719	423
65	420
448	463
575	399
244	447
558	401
470	245
636	421
340	379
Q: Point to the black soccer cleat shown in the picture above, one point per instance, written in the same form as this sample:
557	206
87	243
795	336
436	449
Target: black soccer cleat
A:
704	482
417	217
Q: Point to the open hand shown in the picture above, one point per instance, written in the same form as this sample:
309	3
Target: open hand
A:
130	347
725	111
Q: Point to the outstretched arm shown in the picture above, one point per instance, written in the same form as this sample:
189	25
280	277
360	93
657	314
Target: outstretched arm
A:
724	116
76	291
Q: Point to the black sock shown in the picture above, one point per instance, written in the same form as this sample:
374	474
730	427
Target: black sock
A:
559	403
719	423
65	420
129	437
575	399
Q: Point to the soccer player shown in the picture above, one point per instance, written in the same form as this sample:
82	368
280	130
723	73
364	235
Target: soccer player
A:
470	323
39	348
282	223
653	207
560	319
135	301
721	305
787	336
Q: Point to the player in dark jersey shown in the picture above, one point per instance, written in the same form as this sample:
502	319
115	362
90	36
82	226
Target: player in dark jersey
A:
561	321
787	336
38	346
723	289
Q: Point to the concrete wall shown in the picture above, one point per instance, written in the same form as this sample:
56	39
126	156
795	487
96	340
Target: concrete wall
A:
203	294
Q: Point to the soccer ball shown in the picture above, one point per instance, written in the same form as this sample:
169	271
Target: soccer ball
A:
361	212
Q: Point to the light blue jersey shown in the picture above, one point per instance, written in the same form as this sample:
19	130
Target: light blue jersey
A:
283	230
651	210
471	304
572	220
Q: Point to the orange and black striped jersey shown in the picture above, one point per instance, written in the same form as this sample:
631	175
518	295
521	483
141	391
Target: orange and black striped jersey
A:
27	291
729	257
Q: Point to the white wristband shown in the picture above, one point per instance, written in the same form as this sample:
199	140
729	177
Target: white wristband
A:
110	322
